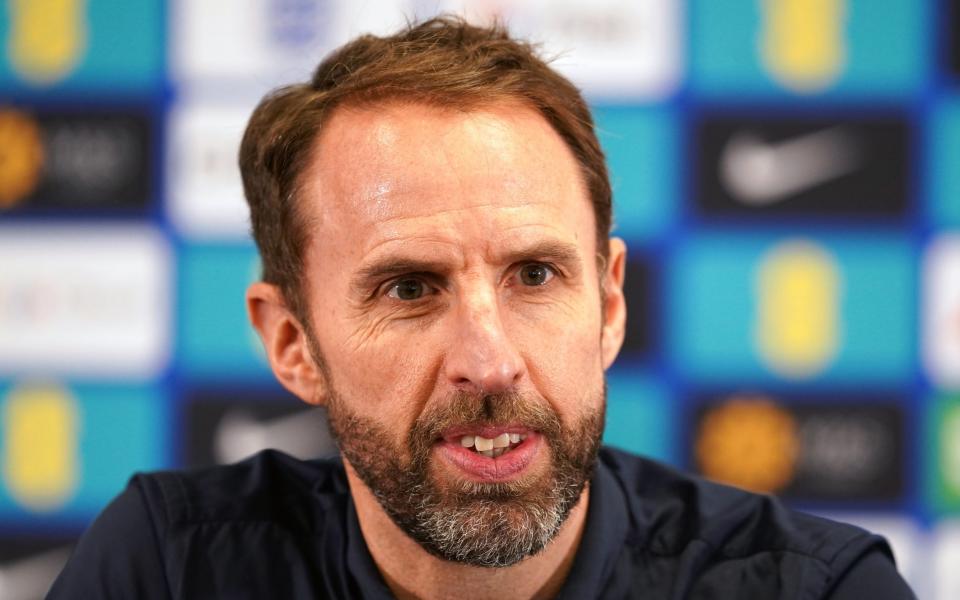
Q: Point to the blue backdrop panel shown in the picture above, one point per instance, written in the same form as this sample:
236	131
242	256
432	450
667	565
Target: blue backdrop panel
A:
106	432
864	284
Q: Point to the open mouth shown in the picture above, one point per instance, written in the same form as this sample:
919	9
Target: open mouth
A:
492	447
491	453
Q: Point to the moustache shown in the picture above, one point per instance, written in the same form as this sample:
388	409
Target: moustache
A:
468	409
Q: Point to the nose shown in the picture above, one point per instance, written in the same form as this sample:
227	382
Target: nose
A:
481	357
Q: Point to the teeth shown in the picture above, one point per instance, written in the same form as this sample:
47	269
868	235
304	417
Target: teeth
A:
492	447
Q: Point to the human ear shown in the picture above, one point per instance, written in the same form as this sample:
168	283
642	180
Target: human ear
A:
614	305
285	342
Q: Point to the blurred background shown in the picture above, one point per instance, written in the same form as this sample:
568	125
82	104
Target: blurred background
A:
786	176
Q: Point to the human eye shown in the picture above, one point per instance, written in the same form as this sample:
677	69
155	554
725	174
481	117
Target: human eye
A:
534	274
408	288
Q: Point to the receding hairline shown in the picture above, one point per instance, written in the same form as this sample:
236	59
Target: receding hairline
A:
505	105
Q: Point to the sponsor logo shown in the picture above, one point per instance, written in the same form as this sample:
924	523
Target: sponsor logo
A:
21	157
46	38
847	166
69	448
941	310
222	428
29	565
803	42
811	450
206	194
943	453
749	442
797	318
293	23
268	42
609	48
760	173
68	161
765	48
950	450
92	301
40	427
758	308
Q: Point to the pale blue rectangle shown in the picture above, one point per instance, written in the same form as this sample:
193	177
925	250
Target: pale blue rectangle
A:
640	415
121	430
215	338
712	306
943	133
888	49
642	149
123	47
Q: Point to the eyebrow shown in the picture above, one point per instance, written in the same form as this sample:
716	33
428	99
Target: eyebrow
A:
548	250
380	270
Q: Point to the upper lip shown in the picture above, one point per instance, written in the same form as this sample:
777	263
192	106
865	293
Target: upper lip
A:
488	431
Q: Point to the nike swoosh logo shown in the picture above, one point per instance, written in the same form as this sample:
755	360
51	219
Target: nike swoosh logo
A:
300	434
760	173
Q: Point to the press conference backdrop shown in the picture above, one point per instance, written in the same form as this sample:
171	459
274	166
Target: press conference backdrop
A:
786	176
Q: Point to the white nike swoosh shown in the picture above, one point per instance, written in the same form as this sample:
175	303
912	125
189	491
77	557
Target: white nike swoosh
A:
302	434
759	173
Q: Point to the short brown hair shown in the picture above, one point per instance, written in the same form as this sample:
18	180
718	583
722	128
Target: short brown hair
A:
444	62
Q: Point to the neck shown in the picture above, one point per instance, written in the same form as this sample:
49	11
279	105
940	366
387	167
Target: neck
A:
412	572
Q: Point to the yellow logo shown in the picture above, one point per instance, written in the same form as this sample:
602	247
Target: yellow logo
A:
21	157
47	38
749	442
802	42
797	322
41	428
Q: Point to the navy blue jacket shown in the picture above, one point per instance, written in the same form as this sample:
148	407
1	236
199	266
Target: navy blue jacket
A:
277	527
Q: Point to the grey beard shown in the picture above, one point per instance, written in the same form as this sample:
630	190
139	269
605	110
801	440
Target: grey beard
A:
492	533
486	525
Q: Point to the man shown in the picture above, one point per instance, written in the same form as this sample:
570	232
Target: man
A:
433	214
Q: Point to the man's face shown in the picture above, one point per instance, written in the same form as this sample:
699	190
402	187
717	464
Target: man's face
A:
454	295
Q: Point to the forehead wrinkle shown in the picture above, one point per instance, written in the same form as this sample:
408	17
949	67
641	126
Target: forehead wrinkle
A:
413	245
448	232
453	210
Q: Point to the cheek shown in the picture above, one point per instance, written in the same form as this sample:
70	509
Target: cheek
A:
562	355
389	382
